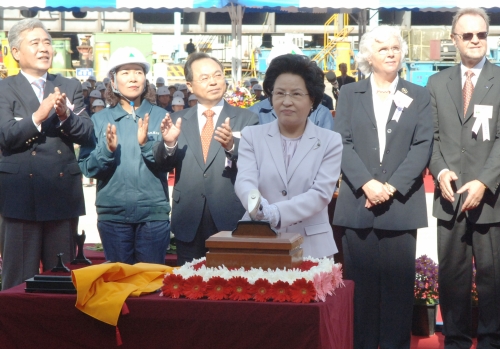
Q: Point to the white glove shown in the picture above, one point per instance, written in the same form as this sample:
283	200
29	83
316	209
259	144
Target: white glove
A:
269	213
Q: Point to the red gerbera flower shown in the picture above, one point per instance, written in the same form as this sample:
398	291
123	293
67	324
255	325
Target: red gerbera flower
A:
194	287
262	290
240	289
217	288
307	265
172	286
302	291
280	291
199	265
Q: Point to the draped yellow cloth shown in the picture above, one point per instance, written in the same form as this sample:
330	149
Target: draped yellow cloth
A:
102	289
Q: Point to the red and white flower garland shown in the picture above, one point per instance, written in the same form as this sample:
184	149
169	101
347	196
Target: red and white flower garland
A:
313	280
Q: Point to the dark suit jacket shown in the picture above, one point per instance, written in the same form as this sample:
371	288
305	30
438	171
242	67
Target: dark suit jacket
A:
196	181
39	174
407	152
347	80
455	146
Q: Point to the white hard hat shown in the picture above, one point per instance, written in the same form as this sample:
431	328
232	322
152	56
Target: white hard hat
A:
246	83
98	103
106	81
178	94
178	101
127	55
162	91
192	97
254	80
153	86
86	85
258	87
92	77
160	80
182	87
95	94
100	86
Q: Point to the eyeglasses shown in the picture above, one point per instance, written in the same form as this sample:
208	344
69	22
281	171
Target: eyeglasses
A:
206	78
469	36
296	96
385	51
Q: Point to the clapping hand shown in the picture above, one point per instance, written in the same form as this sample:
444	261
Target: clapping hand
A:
142	130
224	135
60	104
111	138
169	131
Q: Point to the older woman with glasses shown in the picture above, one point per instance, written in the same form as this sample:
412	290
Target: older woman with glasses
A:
387	131
292	162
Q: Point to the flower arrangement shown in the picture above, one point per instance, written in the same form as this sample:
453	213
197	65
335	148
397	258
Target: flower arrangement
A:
426	281
240	97
474	298
312	281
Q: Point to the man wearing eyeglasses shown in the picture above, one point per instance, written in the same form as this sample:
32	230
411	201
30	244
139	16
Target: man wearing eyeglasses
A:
204	157
466	163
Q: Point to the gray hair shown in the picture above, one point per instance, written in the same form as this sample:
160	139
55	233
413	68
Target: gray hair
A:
475	11
16	32
378	34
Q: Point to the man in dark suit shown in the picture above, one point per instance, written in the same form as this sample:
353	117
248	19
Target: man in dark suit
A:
344	79
466	163
204	157
41	116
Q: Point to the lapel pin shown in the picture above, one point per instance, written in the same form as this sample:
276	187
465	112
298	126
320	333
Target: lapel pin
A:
317	144
405	91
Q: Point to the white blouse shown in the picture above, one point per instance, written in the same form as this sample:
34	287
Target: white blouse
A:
382	108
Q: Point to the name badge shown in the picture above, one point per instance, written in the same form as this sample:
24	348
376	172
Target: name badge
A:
402	101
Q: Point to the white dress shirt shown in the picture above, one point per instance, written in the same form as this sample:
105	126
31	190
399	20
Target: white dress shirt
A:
382	108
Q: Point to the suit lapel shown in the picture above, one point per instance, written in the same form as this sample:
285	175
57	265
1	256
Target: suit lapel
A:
273	141
308	140
393	105
51	83
366	99
191	131
483	86
454	86
23	89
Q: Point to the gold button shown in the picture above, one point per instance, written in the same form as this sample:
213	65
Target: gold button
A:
61	174
33	153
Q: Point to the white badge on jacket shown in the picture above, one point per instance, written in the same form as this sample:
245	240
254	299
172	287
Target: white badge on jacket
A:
482	113
402	101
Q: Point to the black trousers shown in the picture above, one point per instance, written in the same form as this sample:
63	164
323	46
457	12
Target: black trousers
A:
187	251
458	242
382	265
26	243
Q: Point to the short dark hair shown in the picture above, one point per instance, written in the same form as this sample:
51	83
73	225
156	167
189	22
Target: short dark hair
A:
302	66
193	57
114	98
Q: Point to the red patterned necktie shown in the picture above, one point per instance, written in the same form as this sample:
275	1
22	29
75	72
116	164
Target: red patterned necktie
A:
207	132
467	90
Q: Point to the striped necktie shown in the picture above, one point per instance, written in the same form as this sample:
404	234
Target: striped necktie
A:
207	132
40	85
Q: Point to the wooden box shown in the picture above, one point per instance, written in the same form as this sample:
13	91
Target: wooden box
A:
235	251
